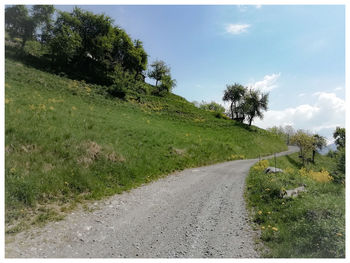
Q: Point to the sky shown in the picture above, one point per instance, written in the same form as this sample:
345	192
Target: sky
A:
294	52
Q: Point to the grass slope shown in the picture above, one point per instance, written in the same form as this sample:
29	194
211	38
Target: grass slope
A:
311	225
65	142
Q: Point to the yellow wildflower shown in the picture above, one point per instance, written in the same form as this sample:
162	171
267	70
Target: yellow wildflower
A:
261	165
74	108
267	189
32	107
274	229
263	228
339	234
7	101
260	212
52	108
269	212
13	169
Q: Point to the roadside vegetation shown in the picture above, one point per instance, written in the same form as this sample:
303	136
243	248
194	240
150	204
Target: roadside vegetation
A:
310	224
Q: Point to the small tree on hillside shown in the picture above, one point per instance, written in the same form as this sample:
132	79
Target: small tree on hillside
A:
235	94
319	143
305	142
166	85
255	103
159	70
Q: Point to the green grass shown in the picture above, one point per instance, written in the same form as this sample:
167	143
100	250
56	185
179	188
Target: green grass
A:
311	225
66	142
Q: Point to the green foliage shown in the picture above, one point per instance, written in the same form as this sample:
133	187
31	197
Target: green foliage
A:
158	71
339	136
42	17
34	48
166	85
235	94
311	225
245	104
212	106
18	23
83	45
254	103
65	142
306	144
65	44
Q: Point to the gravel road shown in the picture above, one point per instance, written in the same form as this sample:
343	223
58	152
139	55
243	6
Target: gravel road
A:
196	213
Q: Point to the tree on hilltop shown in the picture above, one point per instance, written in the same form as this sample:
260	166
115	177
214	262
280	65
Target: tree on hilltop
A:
255	103
158	71
235	94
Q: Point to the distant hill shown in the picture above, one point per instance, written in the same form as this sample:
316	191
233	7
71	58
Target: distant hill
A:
330	147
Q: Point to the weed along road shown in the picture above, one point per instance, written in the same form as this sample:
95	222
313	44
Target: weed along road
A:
198	213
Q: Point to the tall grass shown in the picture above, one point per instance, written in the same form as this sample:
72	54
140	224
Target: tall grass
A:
65	142
311	225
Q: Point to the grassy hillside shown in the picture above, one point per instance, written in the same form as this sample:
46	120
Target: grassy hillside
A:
65	142
311	225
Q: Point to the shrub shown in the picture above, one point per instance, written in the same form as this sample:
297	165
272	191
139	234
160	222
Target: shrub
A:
33	48
261	165
322	176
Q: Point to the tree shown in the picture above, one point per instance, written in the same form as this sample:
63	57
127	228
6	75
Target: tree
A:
254	103
278	131
42	17
339	136
66	41
166	85
19	24
140	58
319	143
235	94
160	69
305	142
289	131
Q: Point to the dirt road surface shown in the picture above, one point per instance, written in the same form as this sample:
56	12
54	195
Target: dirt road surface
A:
195	213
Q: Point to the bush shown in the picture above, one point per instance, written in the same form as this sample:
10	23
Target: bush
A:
33	48
261	165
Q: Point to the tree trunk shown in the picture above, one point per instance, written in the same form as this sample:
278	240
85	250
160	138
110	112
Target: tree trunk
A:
313	156
156	82
232	111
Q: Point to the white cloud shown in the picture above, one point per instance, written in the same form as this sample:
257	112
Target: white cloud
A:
257	6
338	88
236	29
267	84
322	117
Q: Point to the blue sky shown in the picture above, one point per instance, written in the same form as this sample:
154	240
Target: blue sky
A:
295	52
